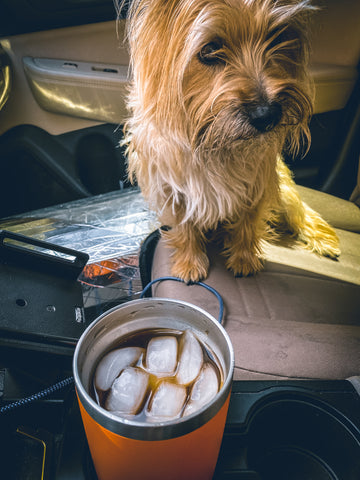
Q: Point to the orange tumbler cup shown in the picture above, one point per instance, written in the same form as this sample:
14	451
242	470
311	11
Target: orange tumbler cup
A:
183	448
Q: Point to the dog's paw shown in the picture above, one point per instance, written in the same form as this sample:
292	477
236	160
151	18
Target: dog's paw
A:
319	237
191	269
243	266
324	245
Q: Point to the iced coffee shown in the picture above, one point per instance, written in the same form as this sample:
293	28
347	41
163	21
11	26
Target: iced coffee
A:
157	376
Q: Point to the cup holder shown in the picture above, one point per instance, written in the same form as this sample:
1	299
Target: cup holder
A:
300	438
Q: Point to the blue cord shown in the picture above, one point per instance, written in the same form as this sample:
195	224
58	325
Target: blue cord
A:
38	396
177	279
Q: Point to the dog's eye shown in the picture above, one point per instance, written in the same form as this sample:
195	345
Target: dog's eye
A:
211	53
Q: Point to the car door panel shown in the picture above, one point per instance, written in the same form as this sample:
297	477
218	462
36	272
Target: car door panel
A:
80	89
95	43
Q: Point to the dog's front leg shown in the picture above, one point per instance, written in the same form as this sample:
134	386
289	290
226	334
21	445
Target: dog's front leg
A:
189	259
242	244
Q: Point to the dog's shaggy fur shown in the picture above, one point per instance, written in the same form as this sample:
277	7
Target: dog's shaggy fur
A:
220	88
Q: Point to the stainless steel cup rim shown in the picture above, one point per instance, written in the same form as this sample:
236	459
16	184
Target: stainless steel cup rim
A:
138	313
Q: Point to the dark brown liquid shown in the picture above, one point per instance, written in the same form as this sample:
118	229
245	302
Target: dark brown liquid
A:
141	339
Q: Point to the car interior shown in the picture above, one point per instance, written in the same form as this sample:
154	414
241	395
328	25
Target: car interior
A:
295	327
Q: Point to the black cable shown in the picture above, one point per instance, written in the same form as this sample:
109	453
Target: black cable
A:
37	396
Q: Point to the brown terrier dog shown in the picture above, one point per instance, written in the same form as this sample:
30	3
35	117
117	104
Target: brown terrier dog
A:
220	88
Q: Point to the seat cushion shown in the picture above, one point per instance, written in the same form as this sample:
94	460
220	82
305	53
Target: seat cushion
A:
298	318
339	213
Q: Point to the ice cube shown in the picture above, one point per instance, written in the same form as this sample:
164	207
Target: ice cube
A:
161	355
204	389
167	401
128	391
191	358
112	363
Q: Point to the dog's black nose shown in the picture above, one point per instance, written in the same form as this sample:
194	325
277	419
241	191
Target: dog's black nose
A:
264	116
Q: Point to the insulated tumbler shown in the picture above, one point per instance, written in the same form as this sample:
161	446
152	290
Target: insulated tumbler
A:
183	448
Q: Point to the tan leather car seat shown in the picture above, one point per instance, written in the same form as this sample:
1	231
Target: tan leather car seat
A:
299	318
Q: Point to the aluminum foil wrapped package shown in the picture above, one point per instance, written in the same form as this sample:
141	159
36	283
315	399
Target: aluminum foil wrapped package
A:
109	228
